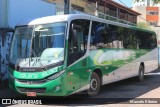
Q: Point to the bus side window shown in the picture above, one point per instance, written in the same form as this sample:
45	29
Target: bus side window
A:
105	36
77	44
144	40
153	41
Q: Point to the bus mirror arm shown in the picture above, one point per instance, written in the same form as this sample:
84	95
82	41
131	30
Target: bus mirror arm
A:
17	68
76	27
74	37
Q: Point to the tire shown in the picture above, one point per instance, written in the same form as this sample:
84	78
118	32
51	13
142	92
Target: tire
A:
141	74
94	85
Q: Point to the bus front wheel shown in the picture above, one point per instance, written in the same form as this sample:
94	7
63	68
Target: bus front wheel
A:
94	85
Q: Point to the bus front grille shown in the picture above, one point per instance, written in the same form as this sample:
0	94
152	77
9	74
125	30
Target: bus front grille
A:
32	81
37	90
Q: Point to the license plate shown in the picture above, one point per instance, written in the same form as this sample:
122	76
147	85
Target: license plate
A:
33	94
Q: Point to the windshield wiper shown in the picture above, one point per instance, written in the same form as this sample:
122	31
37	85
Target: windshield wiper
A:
38	58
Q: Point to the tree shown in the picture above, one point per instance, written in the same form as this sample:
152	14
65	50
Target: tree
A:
144	25
155	1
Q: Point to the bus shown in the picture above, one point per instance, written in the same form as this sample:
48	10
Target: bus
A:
65	54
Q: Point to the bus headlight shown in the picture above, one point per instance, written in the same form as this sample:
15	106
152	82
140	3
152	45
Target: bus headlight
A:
54	76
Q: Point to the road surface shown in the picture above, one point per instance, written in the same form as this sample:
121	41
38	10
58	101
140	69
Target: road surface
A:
123	92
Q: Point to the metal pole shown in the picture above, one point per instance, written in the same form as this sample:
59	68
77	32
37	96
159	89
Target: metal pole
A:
96	12
66	6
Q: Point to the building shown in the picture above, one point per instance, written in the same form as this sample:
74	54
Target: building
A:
150	15
150	12
107	9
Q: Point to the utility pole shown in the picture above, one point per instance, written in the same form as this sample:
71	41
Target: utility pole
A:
96	12
66	6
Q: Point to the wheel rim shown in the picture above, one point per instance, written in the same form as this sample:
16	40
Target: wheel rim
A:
94	84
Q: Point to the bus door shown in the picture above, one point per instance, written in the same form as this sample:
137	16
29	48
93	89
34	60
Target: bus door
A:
77	48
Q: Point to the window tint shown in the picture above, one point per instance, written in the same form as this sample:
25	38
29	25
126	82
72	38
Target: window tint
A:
111	36
78	38
48	36
130	39
146	40
105	36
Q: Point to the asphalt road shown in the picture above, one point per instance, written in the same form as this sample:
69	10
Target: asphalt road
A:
116	93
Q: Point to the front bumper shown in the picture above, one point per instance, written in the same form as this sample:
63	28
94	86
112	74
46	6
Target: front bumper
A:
47	88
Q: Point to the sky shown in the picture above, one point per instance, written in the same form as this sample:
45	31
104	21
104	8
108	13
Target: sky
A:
128	3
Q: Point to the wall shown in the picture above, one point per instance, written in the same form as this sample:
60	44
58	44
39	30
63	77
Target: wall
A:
157	30
21	10
142	11
150	17
4	56
3	13
159	16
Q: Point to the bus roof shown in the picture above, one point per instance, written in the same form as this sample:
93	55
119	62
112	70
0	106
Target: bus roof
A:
70	17
54	18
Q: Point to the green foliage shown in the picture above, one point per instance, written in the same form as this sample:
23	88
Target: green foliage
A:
144	25
155	1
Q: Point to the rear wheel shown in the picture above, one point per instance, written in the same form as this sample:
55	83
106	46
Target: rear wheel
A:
141	73
94	85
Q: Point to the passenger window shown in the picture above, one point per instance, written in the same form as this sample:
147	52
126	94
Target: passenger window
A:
105	36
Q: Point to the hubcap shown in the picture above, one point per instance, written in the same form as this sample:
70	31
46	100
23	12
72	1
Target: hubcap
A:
94	84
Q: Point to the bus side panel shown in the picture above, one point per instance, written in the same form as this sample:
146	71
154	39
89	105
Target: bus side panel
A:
150	60
118	64
77	76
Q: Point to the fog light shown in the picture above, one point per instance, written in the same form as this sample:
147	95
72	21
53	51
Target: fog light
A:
57	88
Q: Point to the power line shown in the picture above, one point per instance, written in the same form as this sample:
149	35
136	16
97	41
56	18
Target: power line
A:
123	3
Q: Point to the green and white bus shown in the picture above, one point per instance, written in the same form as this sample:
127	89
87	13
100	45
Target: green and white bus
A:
65	54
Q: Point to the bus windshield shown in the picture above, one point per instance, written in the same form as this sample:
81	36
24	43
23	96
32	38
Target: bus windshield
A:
39	45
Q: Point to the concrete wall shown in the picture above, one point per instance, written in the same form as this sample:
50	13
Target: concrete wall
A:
158	16
142	11
157	30
3	13
15	11
4	55
21	10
